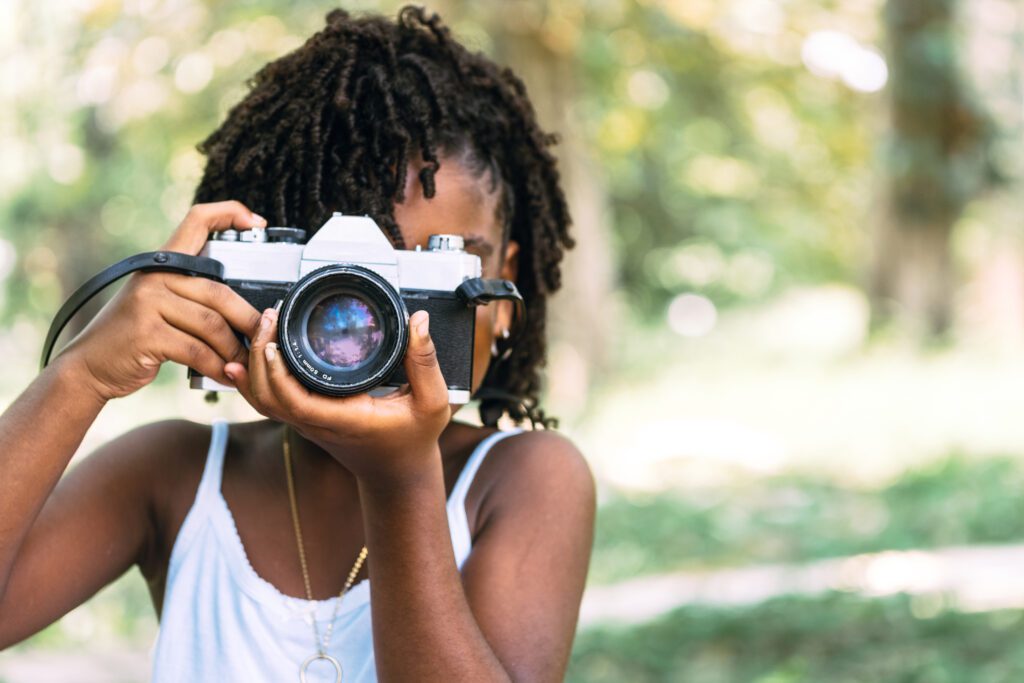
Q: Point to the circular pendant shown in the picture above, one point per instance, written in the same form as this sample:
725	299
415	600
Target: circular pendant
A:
320	655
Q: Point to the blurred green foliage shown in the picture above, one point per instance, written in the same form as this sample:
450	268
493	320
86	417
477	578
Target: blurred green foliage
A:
108	106
837	638
789	519
731	170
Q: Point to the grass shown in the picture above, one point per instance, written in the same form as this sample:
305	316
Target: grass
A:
794	518
837	638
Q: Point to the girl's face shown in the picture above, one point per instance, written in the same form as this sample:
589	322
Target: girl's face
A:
463	205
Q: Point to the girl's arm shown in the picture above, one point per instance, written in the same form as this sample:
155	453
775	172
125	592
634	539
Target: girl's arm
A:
512	615
38	435
79	534
59	547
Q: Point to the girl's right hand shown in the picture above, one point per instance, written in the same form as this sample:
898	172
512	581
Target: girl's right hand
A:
158	317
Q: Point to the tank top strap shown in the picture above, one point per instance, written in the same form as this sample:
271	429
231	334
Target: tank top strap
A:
204	506
209	485
458	522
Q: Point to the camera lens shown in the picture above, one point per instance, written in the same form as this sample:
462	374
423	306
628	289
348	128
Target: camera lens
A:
343	329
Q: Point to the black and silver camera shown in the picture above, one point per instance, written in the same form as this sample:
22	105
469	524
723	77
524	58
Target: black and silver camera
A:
347	297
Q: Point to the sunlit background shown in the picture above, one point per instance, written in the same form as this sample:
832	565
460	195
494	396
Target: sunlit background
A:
795	349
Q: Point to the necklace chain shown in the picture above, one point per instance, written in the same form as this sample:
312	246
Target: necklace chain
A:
321	644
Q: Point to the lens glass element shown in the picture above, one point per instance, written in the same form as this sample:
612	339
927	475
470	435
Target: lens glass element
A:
344	331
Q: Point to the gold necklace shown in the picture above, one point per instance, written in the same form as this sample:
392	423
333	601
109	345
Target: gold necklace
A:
321	644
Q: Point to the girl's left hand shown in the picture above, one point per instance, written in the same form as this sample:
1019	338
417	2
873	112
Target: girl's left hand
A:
386	439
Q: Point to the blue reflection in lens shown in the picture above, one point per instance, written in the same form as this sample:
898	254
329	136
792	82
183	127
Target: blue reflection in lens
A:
343	331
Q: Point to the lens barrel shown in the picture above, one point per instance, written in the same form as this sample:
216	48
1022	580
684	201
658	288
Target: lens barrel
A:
343	329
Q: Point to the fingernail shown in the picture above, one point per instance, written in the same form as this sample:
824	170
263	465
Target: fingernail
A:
270	351
423	324
264	323
259	221
230	375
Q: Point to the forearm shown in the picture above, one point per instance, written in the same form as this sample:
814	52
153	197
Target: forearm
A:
39	432
423	628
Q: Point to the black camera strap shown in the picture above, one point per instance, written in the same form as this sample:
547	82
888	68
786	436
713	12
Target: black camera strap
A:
494	402
165	261
477	291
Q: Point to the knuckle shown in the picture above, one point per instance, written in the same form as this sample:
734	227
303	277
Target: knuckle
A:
253	325
194	352
209	319
151	328
426	357
214	290
240	354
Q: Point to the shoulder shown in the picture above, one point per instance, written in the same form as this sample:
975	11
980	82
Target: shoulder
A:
543	453
536	473
156	463
157	445
152	444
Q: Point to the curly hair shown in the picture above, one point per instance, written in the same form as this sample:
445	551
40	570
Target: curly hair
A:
333	125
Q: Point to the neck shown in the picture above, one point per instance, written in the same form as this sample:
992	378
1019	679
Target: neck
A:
317	465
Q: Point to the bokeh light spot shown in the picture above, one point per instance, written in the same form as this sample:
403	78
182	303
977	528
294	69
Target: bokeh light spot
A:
193	73
692	315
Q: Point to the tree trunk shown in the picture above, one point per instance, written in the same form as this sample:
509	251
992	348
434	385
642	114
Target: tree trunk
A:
937	162
913	279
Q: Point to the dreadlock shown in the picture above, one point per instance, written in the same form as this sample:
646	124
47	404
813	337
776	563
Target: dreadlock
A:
333	125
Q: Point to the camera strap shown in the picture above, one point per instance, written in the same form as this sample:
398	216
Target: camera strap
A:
478	291
165	261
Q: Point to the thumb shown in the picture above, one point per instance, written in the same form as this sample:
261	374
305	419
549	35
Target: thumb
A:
425	379
202	219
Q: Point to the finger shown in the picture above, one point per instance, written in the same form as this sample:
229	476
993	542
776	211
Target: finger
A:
183	348
274	385
308	407
239	313
295	399
207	324
429	389
266	338
202	219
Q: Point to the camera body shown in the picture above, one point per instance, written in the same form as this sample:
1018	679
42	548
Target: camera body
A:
347	296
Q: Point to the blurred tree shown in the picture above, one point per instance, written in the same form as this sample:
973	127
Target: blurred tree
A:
938	160
539	41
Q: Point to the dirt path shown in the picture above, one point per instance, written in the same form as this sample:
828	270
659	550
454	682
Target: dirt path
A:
974	578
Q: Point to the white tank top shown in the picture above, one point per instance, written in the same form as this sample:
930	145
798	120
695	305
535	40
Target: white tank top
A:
222	622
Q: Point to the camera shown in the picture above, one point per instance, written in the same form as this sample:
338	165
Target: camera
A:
346	296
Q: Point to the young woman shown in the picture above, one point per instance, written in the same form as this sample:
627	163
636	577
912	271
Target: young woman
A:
475	541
